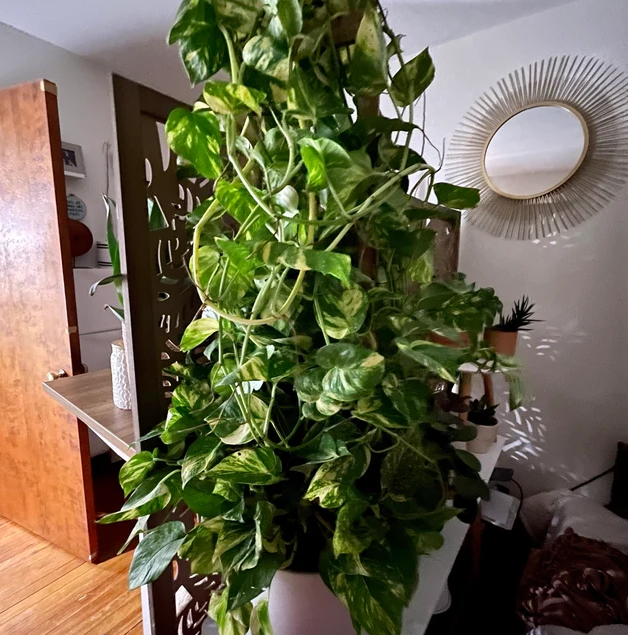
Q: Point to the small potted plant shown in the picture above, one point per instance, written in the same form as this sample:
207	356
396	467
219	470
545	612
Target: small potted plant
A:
482	417
503	336
456	312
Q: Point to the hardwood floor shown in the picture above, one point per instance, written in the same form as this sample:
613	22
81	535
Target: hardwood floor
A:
46	591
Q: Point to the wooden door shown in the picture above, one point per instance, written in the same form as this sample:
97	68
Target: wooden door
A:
45	475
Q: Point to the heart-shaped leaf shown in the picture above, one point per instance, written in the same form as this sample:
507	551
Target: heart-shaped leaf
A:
250	466
196	136
353	371
412	79
197	332
155	552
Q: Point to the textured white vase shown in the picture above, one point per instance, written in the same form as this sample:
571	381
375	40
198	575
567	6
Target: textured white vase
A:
120	376
301	604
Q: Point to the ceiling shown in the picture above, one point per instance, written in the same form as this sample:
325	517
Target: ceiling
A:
128	36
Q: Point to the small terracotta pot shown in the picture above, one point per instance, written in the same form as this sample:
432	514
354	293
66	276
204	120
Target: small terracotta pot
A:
445	341
487	435
504	342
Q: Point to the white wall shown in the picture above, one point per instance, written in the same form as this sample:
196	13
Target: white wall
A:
576	359
84	96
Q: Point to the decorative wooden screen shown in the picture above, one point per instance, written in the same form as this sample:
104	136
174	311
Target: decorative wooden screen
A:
159	302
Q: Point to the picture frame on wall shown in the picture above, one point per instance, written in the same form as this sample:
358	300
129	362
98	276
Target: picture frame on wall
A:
73	162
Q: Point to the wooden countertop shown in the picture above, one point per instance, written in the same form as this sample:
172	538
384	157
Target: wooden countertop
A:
89	398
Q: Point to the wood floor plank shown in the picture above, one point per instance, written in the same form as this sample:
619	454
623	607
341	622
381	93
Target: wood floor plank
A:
138	630
11	594
49	592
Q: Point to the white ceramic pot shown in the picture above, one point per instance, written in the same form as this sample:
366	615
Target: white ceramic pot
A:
487	435
301	604
120	376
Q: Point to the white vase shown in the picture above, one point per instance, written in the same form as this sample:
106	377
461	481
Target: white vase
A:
120	376
301	604
487	435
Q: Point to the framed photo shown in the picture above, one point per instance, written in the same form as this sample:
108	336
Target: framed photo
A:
73	163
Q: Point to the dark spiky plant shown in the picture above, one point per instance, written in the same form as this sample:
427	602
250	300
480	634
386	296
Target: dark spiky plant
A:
481	413
303	432
519	319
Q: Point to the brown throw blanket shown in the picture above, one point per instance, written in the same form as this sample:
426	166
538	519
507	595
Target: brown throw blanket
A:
576	582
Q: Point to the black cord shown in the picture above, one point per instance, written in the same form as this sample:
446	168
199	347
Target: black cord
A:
512	480
594	478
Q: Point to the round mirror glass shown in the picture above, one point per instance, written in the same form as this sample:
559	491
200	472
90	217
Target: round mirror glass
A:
535	151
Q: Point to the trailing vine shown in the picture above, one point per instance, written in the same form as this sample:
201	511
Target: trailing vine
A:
305	432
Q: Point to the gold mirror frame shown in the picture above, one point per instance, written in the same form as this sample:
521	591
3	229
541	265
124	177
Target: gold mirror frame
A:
579	162
597	93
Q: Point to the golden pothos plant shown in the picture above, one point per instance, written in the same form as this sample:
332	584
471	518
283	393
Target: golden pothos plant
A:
304	431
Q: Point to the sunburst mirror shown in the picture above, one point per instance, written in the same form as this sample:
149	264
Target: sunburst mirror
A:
547	147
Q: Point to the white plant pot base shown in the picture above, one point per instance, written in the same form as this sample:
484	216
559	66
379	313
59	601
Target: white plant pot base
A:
301	604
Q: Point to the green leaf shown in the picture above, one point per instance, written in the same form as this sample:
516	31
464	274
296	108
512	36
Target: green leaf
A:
378	410
373	604
349	536
469	459
441	360
247	584
324	449
135	470
250	466
239	16
333	481
178	426
151	496
516	389
114	251
412	79
353	371
428	542
208	259
232	99
139	528
456	196
309	97
201	456
309	385
328	406
320	157
155	552
369	69
239	203
289	15
327	262
198	549
230	622
471	487
197	332
199	496
268	56
105	281
342	310
156	218
202	46
260	619
196	137
411	397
